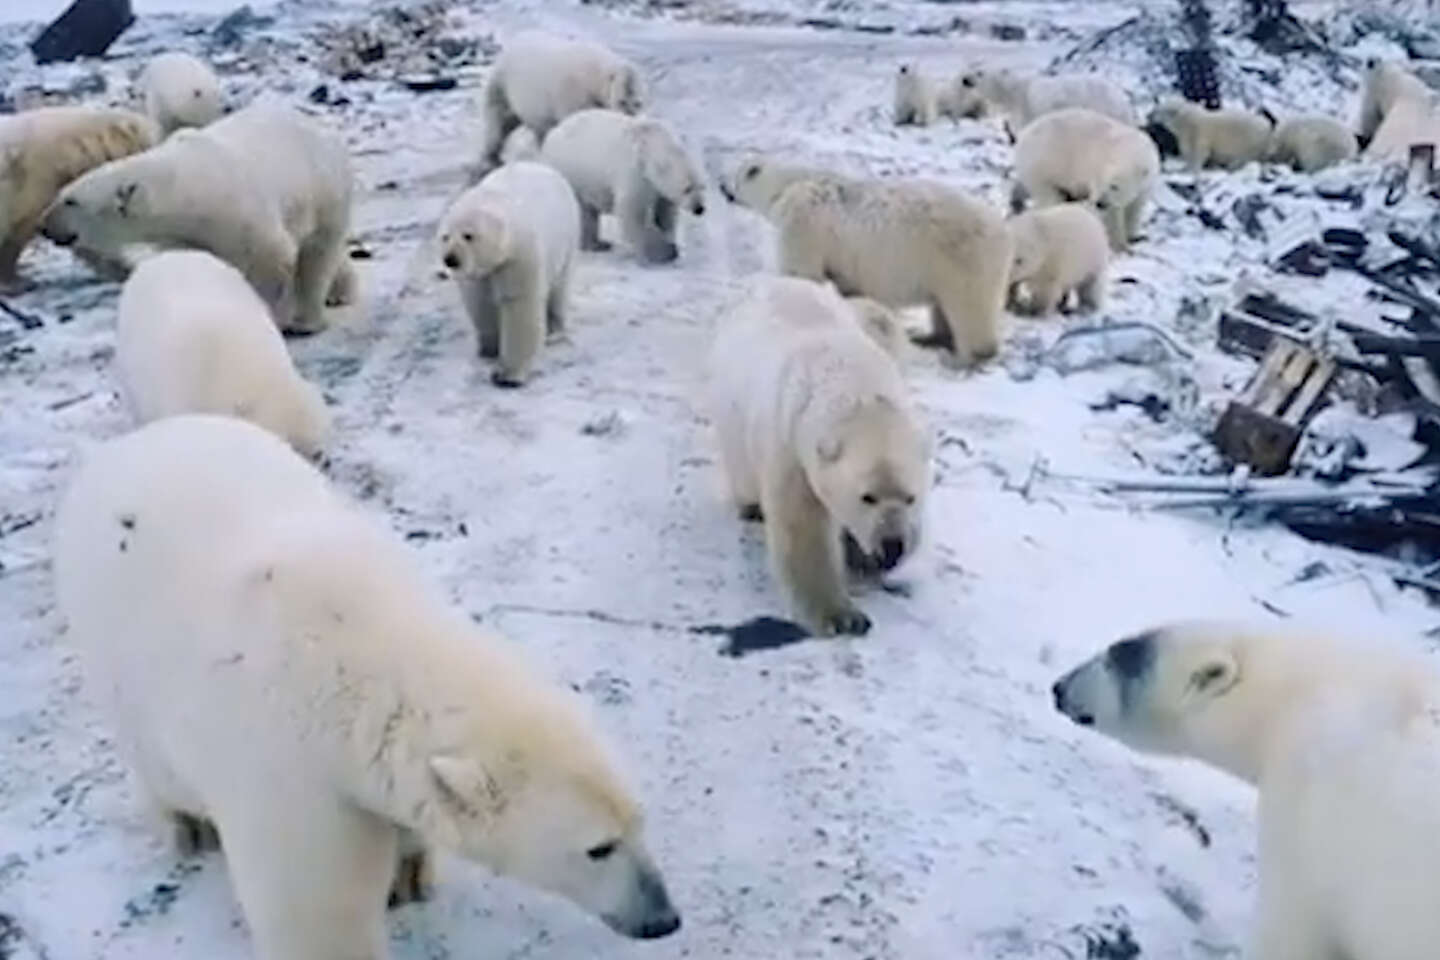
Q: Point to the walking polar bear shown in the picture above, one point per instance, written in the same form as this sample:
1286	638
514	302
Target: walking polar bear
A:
900	242
265	189
817	437
1081	156
1021	99
511	241
1312	143
540	79
919	101
1397	110
1058	250
1213	138
631	166
180	91
1343	742
43	150
280	675
193	337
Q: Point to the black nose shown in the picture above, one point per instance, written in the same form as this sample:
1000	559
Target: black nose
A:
891	550
699	209
452	261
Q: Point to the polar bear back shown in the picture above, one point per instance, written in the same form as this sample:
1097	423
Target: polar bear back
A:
1078	153
194	337
816	356
58	144
1046	94
589	148
548	77
180	91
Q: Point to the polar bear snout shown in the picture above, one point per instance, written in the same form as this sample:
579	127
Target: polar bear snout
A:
1075	693
649	914
452	260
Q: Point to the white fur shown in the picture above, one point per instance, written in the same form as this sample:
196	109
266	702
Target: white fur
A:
1024	98
511	241
1083	156
813	418
180	91
1343	741
193	337
1214	138
265	189
901	242
917	100
1397	110
1312	143
273	664
1058	250
540	79
42	150
634	167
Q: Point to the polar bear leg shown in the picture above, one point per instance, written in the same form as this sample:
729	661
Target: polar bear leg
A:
800	255
969	307
1091	293
414	872
557	304
739	471
522	328
665	217
804	551
316	269
938	336
344	287
590	230
312	877
484	313
1045	296
635	207
193	835
1285	929
19	237
499	122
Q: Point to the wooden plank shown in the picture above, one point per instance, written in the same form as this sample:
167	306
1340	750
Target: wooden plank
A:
1309	394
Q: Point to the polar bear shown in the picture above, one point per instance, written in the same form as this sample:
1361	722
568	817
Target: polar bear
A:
1397	109
917	100
43	150
541	78
881	324
1022	98
1213	138
1078	155
511	241
194	337
1343	742
818	437
1311	143
278	671
631	166
180	91
265	189
1058	250
900	242
522	144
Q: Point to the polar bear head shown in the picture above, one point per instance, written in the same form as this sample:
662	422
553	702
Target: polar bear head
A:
1199	689
624	91
474	240
759	181
547	809
871	470
668	169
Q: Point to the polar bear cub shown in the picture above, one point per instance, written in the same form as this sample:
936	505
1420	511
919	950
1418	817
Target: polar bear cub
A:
1342	740
265	189
1311	143
1078	155
540	79
900	242
631	166
180	91
1397	110
43	150
277	669
917	101
1058	250
1213	138
818	437
194	337
1023	98
510	241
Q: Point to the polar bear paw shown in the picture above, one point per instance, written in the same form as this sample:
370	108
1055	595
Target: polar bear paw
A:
414	880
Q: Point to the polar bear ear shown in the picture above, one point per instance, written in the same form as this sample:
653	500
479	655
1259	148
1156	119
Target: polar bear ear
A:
1215	675
465	783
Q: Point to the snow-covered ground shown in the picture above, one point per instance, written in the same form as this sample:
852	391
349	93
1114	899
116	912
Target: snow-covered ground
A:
910	794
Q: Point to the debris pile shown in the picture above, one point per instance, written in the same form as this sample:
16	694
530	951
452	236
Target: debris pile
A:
421	45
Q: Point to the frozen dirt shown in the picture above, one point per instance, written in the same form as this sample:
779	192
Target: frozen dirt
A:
909	795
